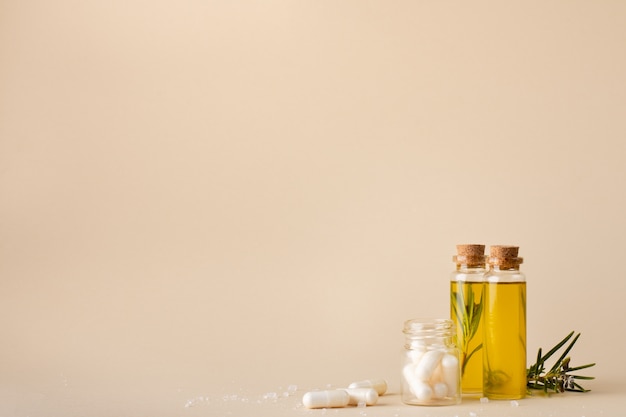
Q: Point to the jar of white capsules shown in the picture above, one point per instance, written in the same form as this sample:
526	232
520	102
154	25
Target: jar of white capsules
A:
431	373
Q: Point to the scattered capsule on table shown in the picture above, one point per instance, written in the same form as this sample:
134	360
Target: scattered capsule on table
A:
380	385
326	399
369	396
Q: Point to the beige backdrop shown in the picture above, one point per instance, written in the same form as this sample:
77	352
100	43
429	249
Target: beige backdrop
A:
202	193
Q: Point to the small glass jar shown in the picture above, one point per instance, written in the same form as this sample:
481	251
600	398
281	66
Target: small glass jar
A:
431	371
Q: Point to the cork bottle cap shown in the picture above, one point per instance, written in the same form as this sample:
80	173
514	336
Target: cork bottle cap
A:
504	256
470	255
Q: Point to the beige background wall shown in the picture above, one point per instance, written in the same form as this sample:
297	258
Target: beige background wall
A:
201	192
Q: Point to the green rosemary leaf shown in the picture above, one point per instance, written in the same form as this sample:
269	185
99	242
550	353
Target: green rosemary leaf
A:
476	349
579	388
537	367
577	368
588	378
564	354
557	347
470	300
475	321
467	317
458	314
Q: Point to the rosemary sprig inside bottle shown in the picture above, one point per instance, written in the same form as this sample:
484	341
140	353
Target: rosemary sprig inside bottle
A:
466	307
467	312
558	378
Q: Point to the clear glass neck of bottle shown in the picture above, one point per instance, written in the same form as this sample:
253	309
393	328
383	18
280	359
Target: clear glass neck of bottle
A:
470	267
504	264
504	272
468	263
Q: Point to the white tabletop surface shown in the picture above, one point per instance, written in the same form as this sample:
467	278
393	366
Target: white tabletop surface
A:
235	398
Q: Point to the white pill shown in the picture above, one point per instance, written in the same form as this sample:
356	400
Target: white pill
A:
418	344
422	390
440	390
451	372
419	388
409	374
437	375
427	364
415	355
369	396
380	385
326	399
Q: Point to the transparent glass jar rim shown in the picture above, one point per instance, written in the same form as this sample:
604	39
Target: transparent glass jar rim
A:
424	327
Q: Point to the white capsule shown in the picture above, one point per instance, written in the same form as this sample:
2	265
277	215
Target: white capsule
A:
409	374
419	388
380	385
418	344
451	372
440	390
415	355
422	390
326	399
427	364
369	396
437	375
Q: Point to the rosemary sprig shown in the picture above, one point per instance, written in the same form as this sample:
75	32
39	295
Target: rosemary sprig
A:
468	314
557	378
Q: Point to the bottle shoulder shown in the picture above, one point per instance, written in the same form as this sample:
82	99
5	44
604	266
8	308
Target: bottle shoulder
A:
468	275
513	275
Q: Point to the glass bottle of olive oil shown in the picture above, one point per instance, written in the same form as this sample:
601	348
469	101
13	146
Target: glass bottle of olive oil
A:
466	291
504	325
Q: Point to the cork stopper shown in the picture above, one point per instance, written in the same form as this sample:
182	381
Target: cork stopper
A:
504	256
470	255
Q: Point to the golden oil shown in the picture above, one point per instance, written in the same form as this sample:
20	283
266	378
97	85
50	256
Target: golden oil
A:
468	295
466	289
504	326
